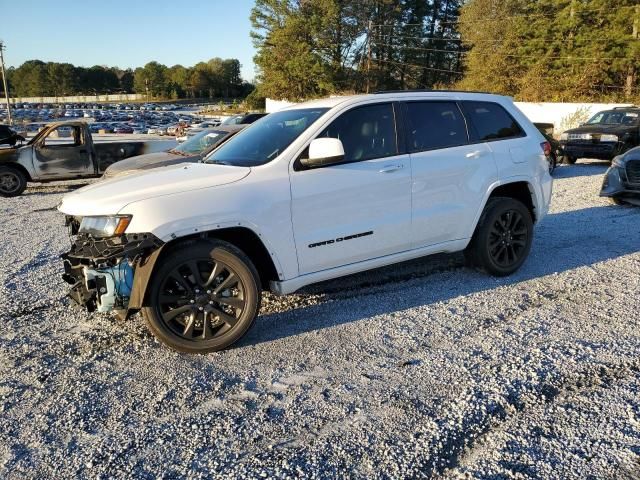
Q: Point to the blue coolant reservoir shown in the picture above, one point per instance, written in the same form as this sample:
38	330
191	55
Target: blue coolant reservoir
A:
112	285
122	275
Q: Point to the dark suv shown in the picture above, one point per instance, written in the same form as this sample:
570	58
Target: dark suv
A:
604	136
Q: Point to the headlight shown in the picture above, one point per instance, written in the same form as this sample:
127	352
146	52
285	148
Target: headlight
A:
564	137
104	226
608	138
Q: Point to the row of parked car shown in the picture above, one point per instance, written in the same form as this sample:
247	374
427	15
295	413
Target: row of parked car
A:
34	112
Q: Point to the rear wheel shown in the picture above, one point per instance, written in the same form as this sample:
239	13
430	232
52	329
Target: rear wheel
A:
503	237
12	182
203	297
569	160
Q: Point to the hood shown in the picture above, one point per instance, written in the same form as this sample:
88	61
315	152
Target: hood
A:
14	154
147	161
608	129
110	196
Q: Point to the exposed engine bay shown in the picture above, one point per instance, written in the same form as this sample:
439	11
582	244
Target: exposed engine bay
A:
101	271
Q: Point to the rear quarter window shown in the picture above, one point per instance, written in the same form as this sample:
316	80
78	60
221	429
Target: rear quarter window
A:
490	121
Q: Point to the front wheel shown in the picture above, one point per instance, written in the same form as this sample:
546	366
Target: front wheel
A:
203	297
503	237
12	182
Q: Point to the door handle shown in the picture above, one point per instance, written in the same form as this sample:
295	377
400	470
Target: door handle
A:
475	154
390	168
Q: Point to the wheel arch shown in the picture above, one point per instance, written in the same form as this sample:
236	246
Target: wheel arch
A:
520	190
18	167
241	237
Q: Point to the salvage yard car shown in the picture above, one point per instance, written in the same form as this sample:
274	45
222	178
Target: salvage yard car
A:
313	192
63	151
622	181
604	136
192	150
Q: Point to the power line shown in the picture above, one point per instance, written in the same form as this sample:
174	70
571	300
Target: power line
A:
445	39
497	19
553	57
418	66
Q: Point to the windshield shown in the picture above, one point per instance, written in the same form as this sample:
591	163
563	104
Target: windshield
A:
232	120
614	117
266	138
200	142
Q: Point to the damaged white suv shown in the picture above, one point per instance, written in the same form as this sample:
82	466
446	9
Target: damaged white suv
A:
313	192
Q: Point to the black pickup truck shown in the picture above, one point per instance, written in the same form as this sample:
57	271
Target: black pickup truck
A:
65	151
604	136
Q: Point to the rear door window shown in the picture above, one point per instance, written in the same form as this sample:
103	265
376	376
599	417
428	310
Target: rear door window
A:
490	121
433	125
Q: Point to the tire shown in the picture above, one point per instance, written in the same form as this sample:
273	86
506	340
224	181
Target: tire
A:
617	201
502	220
569	160
12	182
553	163
190	314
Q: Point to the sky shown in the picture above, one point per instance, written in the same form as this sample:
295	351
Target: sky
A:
127	34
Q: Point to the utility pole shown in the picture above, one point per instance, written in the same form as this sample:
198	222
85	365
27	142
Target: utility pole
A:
369	55
4	82
631	72
572	15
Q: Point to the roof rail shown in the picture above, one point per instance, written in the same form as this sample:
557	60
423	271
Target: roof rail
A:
625	108
428	90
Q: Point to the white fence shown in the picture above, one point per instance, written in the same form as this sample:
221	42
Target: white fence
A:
118	97
562	115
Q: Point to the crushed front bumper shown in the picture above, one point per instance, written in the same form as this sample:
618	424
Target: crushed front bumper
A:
101	270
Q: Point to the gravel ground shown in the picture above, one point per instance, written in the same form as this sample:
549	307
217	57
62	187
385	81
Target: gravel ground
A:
425	369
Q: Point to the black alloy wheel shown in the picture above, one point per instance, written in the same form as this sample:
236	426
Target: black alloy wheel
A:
12	182
508	238
203	298
503	237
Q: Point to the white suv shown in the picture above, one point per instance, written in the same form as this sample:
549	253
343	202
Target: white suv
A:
310	193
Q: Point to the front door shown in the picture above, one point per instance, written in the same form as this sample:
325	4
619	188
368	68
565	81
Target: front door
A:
63	153
360	209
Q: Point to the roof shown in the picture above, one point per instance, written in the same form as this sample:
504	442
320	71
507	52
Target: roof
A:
397	95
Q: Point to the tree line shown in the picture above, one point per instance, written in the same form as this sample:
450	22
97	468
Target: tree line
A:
553	50
543	50
214	78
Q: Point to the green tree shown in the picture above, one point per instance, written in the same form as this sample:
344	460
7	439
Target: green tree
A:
554	50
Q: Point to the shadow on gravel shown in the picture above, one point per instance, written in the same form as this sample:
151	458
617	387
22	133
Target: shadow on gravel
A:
50	189
583	168
563	241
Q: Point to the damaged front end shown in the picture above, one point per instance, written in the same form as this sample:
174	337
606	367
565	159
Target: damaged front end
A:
622	179
103	270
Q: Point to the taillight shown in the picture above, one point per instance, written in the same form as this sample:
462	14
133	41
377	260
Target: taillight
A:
546	148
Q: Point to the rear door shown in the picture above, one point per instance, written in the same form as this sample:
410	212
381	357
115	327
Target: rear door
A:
360	209
450	174
492	124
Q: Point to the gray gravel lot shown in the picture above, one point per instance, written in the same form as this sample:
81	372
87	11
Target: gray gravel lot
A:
426	369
